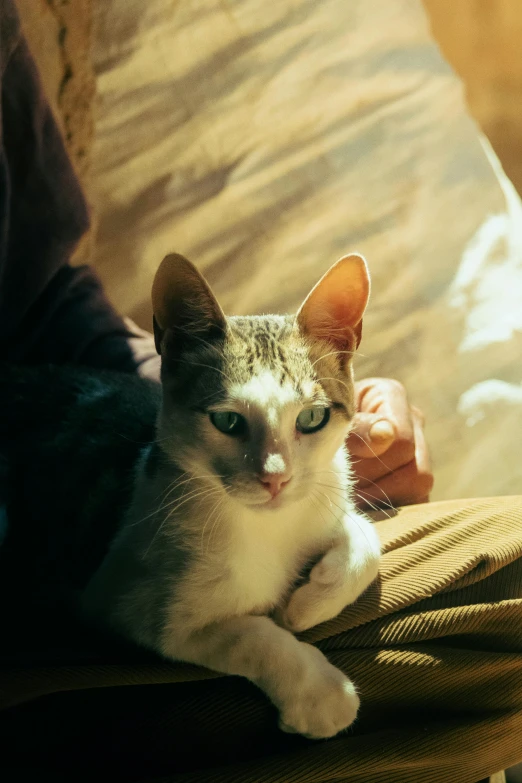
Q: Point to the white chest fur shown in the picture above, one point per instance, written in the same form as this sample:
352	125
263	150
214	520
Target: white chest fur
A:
268	550
250	574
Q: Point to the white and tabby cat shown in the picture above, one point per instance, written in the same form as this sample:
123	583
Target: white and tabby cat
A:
247	483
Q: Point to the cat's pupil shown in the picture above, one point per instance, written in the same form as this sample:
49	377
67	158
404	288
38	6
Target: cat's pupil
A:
312	419
228	422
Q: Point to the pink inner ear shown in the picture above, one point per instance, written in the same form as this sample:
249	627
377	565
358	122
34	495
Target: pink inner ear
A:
334	327
341	311
334	309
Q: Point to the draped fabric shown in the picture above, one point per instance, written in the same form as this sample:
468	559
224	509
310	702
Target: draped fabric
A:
434	646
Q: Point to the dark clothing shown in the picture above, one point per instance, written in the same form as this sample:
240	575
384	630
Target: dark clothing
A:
49	311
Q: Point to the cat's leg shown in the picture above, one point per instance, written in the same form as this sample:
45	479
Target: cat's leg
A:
313	697
339	577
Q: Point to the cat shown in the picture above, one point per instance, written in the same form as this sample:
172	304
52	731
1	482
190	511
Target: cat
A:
245	483
252	472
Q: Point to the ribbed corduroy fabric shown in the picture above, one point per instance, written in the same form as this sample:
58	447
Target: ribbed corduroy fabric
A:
435	648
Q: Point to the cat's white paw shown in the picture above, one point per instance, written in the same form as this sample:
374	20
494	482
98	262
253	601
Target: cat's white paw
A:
310	605
336	581
331	569
323	704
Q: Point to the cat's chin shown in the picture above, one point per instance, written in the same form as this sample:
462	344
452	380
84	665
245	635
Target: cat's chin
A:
271	505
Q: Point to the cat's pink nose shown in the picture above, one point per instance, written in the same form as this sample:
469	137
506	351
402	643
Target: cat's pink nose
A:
274	482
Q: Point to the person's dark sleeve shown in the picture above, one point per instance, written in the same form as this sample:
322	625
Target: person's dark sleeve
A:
49	311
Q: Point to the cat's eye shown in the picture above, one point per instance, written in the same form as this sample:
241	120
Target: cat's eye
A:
312	419
228	422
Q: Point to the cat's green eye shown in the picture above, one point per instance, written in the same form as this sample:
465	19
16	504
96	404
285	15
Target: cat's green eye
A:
228	422
312	419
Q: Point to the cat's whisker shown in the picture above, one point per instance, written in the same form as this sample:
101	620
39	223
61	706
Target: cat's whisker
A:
354	519
209	515
386	496
318	507
341	492
207	397
313	472
193	496
210	367
373	506
376	456
178	483
325	505
220	508
345	511
163	440
163	495
318	472
205	526
163	507
337	380
206	343
331	503
131	440
185	494
382	504
364	491
144	519
331	353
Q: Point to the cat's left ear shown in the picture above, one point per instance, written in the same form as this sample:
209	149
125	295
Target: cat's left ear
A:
334	309
184	305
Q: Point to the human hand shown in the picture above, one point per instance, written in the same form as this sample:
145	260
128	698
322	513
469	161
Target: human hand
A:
390	456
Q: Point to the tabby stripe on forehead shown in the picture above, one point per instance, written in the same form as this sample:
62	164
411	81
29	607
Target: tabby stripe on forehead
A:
263	343
250	358
284	374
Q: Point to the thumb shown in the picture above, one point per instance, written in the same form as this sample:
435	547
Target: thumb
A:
370	436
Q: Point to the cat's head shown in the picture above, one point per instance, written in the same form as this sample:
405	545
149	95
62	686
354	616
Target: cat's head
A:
260	405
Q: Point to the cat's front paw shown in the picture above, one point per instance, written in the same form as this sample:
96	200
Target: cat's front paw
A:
308	606
323	704
334	583
319	599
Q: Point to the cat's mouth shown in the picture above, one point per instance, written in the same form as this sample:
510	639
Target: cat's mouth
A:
254	501
275	502
272	503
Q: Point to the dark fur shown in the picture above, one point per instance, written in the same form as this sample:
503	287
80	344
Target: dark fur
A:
70	439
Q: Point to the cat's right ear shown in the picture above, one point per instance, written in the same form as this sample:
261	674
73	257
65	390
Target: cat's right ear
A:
334	309
183	304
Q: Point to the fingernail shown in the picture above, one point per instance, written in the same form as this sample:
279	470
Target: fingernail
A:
382	430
